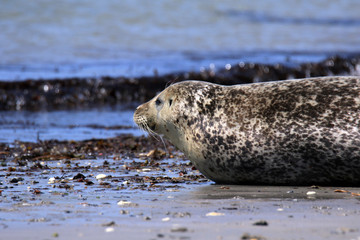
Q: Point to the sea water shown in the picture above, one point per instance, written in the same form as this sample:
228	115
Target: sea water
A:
90	38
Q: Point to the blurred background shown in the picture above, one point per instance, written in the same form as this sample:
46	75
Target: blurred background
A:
69	67
82	38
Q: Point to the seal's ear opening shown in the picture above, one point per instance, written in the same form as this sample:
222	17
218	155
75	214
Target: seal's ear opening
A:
172	100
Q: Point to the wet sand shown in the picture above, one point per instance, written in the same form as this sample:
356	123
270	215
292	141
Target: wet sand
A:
194	212
130	188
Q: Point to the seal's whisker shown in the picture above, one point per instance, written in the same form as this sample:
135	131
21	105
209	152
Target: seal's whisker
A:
142	123
166	150
153	134
145	127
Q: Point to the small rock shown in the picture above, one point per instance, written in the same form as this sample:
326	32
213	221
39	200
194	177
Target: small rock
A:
230	208
79	176
109	224
88	182
124	212
247	236
261	223
16	180
177	228
36	191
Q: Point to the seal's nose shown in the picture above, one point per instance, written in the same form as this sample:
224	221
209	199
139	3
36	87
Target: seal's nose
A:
137	113
137	108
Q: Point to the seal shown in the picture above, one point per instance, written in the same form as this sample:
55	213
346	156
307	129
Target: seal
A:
292	132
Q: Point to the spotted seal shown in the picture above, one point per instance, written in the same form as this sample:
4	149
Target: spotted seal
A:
293	132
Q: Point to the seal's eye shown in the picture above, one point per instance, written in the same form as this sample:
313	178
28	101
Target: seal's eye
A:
170	102
158	102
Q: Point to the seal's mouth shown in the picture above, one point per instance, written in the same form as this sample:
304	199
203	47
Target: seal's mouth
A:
152	127
146	127
145	120
144	123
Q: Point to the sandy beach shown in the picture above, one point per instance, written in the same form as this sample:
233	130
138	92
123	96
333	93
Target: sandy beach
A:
192	212
102	192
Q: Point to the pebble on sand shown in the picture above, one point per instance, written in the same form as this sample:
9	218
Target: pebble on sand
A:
100	176
109	229
214	214
51	180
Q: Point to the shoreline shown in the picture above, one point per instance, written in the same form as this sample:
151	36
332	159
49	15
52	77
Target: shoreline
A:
83	93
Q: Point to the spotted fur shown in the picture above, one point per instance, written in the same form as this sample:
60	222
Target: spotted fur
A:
295	132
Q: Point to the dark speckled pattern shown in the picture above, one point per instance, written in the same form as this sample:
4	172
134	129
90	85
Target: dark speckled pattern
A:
296	132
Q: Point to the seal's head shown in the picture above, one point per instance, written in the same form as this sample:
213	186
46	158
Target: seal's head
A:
158	115
170	113
180	114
